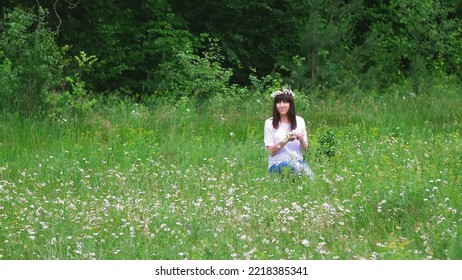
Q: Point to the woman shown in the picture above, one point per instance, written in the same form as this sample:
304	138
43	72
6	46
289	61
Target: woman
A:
285	136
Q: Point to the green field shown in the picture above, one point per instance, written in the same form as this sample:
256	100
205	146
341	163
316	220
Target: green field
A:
189	181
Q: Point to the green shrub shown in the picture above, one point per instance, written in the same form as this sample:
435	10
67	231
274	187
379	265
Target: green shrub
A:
187	74
327	145
8	82
77	100
31	62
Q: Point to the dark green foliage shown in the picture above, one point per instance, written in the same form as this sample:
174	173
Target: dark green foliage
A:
412	38
74	101
186	74
143	48
130	38
326	44
31	63
8	82
253	33
156	47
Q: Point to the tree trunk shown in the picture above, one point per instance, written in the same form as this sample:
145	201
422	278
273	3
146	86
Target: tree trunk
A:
313	64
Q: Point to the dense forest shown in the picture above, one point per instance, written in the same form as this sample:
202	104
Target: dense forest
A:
65	49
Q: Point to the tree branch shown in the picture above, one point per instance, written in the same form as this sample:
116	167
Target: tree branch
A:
72	5
59	18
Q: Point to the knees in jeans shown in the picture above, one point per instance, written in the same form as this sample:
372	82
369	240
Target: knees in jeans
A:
298	167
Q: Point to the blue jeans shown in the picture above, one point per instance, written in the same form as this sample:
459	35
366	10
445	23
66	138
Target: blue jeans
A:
298	167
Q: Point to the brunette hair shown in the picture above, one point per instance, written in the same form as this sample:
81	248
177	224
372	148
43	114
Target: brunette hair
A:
291	115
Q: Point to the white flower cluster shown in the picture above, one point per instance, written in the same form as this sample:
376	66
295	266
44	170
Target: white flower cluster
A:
292	133
282	91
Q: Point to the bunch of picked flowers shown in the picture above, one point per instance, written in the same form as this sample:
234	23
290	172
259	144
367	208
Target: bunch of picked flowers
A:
292	133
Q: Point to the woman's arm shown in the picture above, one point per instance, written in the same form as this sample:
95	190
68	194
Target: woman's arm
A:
272	150
303	135
303	142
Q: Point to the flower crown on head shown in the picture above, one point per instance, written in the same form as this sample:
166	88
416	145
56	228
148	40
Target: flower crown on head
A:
282	91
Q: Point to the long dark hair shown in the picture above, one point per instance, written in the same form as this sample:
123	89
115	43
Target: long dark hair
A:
291	115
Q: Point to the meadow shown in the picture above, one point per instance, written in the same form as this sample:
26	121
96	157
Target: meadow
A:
189	181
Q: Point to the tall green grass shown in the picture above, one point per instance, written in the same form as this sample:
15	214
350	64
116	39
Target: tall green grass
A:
189	181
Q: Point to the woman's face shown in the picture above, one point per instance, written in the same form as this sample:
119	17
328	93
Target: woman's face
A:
283	107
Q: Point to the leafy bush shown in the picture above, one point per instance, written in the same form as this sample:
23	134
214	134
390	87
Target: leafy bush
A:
327	145
8	82
187	74
32	69
31	61
76	100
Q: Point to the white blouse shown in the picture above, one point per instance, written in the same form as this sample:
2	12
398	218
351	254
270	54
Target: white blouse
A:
292	151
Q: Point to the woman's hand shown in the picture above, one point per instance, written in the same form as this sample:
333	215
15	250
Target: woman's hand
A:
291	136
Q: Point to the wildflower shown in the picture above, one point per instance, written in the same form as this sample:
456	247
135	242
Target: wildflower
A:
293	133
248	255
31	232
297	208
282	91
79	248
